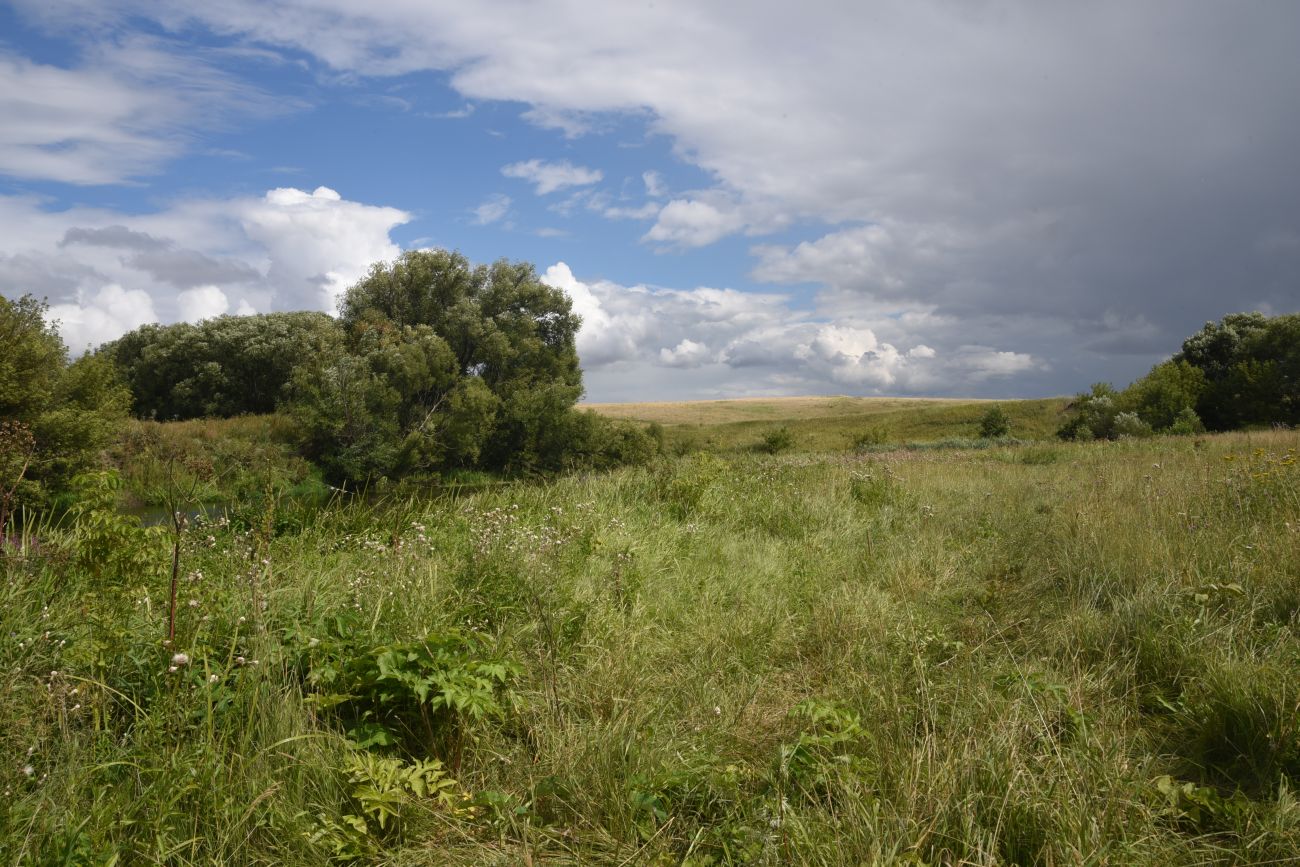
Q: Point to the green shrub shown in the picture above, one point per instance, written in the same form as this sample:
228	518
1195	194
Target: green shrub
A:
56	417
687	485
876	435
1091	415
417	695
776	441
227	366
995	423
1187	423
1127	425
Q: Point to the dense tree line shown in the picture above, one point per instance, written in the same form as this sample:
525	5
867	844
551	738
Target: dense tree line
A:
1243	371
55	416
227	366
434	364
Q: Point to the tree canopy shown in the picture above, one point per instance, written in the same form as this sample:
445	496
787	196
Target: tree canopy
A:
55	416
1243	371
1251	365
230	365
449	365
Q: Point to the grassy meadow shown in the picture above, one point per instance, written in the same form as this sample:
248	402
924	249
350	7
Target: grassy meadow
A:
1044	653
830	424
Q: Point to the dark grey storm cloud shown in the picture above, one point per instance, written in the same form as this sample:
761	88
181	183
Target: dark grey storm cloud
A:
51	277
185	269
1080	184
162	259
116	237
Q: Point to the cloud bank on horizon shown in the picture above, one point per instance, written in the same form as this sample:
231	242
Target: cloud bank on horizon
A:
897	198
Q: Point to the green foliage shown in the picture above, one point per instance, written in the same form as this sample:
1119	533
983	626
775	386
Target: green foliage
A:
239	465
1102	414
33	359
1091	415
112	548
1187	423
386	795
776	441
1238	725
373	413
419	695
1128	425
451	367
1164	394
1200	808
17	450
1251	365
995	423
227	366
824	748
58	416
1220	345
591	440
875	435
1241	372
689	485
873	487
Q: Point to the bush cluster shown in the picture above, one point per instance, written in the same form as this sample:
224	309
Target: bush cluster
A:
448	366
55	416
1241	372
222	367
434	366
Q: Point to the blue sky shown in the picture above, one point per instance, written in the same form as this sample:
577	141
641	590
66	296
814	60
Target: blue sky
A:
992	199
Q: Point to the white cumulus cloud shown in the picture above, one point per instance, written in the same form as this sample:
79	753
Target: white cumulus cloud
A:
96	318
202	302
288	249
694	223
640	342
687	353
547	177
317	244
491	210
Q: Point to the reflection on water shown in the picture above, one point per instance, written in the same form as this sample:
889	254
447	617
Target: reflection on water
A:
154	516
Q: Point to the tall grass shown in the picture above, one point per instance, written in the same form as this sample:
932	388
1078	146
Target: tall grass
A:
1081	654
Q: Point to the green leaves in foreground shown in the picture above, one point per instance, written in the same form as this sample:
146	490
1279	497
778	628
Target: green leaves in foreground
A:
417	695
386	794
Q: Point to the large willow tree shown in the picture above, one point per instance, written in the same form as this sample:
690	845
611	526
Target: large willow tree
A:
446	365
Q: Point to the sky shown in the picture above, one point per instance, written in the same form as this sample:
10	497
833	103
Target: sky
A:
922	197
